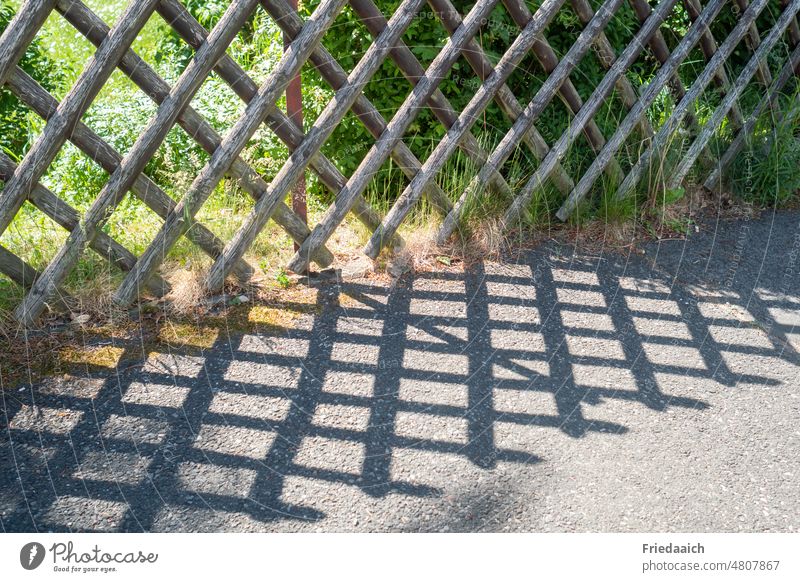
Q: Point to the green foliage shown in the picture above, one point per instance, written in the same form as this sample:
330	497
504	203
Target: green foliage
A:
207	12
672	195
680	225
282	279
15	130
766	171
615	210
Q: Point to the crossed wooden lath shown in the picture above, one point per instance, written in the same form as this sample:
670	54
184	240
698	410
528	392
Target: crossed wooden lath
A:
126	173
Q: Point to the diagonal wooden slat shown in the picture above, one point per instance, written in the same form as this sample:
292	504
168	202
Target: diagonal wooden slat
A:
508	62
77	101
94	29
63	121
45	105
438	104
394	131
567	92
24	274
482	66
20	32
329	69
67	217
528	117
713	181
180	219
660	50
194	34
751	68
725	49
709	46
628	56
322	128
607	55
647	97
794	31
753	40
135	160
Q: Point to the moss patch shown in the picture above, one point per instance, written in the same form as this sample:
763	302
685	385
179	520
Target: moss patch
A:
90	357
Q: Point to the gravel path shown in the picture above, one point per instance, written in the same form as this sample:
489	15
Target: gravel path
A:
569	391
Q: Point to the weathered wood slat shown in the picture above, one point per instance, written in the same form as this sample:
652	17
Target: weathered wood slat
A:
647	97
567	92
714	179
508	62
64	215
16	269
660	50
194	34
753	40
44	105
396	128
794	32
80	97
63	121
709	46
725	49
320	131
24	274
20	32
366	113
751	68
508	103
94	29
438	104
607	55
528	117
135	160
181	218
628	56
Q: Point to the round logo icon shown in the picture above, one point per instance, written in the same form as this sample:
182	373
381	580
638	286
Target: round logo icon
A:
31	555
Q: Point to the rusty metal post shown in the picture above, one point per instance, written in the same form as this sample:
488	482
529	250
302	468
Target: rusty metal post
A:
294	110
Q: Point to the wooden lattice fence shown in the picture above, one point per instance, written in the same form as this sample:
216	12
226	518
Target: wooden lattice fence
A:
126	172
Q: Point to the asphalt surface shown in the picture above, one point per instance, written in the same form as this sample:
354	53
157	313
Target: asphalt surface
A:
566	391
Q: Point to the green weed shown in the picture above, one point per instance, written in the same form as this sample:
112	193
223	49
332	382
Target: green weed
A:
766	170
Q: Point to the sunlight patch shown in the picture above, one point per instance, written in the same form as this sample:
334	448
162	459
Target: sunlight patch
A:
215	479
331	455
421	426
80	513
234	440
156	395
54	420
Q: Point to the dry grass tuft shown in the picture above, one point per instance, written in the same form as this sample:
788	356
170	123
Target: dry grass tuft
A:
93	302
187	293
419	251
487	241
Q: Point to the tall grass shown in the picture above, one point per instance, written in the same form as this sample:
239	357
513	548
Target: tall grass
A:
767	170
